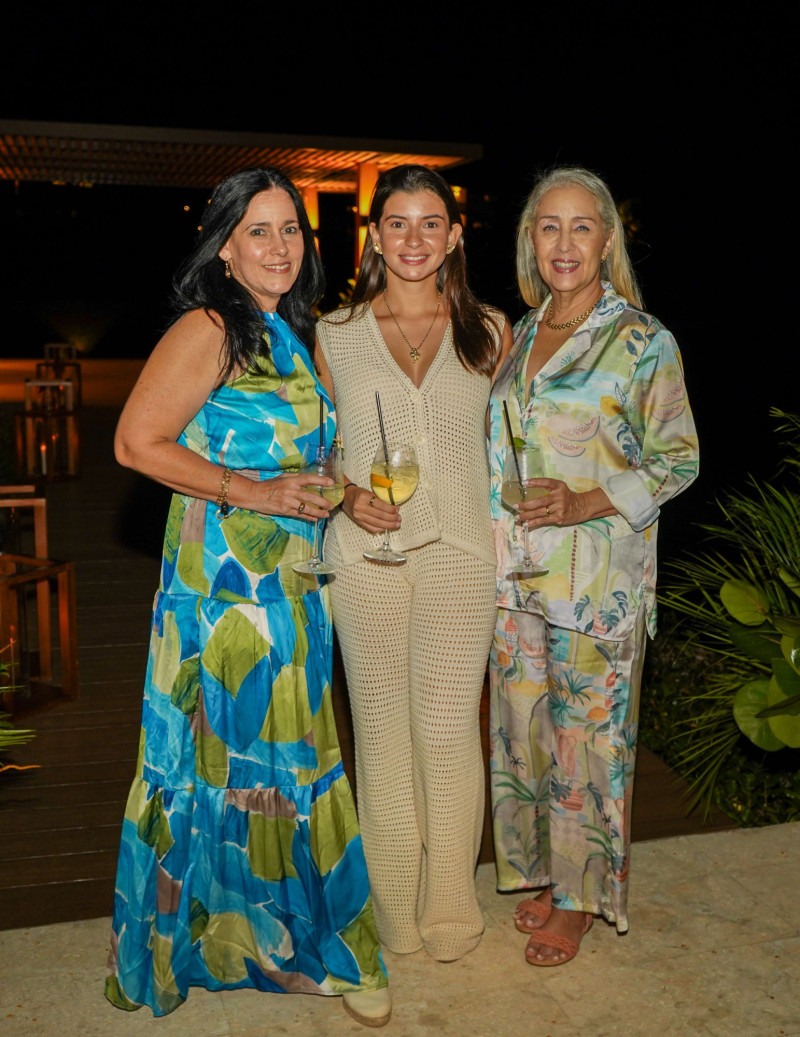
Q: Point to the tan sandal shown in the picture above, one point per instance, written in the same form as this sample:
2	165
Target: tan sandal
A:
561	943
533	907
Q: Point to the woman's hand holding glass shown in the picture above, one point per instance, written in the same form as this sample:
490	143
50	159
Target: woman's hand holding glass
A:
522	468
557	505
284	495
368	511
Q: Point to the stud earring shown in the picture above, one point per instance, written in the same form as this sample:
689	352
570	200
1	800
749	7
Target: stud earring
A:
227	268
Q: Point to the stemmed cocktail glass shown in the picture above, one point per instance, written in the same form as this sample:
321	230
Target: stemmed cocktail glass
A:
520	464
393	478
319	460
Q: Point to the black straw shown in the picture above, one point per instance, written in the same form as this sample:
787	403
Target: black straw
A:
383	438
513	448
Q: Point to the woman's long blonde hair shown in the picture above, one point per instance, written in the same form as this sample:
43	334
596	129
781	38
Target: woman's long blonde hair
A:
617	265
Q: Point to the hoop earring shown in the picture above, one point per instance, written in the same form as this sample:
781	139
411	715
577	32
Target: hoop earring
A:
449	249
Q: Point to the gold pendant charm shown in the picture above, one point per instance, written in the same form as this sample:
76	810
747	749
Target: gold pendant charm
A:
414	356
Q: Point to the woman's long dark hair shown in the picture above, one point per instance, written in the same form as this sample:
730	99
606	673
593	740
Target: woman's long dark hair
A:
475	327
200	282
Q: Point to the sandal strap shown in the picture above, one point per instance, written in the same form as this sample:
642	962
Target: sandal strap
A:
561	943
535	907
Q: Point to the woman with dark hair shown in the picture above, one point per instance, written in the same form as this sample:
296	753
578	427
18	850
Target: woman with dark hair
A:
241	862
597	385
415	637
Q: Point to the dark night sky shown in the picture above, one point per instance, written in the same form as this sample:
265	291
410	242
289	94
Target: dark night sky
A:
672	105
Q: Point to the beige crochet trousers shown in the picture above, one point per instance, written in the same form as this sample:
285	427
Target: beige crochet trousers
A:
415	641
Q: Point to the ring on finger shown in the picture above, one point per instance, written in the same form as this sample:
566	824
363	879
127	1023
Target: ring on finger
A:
371	500
547	510
301	507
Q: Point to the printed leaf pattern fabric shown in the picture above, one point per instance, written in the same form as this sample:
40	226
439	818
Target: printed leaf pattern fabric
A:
241	862
563	722
609	409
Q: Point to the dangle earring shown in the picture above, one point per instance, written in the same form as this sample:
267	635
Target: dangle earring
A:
377	248
227	268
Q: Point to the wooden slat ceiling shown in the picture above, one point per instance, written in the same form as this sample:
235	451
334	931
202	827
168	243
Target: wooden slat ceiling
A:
75	153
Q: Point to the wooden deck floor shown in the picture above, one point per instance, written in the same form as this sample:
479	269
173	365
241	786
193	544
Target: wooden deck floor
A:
60	823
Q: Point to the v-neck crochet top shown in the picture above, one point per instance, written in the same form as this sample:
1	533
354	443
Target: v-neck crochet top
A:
444	419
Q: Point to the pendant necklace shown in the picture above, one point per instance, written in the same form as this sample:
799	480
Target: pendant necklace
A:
414	351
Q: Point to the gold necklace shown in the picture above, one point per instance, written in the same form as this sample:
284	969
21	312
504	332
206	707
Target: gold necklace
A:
414	352
567	323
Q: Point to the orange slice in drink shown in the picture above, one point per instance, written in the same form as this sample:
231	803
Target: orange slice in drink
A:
380	480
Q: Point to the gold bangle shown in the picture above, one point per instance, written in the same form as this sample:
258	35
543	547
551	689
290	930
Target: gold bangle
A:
222	497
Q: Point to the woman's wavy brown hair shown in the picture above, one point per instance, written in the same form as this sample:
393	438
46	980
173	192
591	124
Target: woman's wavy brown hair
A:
476	328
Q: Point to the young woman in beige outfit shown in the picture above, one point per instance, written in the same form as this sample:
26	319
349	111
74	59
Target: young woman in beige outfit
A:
415	637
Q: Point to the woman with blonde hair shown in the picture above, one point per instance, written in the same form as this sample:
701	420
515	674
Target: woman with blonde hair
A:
597	385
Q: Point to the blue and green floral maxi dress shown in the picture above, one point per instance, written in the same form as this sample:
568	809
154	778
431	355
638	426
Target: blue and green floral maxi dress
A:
241	862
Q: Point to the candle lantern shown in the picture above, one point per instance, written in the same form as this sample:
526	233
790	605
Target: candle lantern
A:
47	431
37	672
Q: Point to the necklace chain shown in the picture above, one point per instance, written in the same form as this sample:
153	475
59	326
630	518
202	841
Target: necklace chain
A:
413	352
567	323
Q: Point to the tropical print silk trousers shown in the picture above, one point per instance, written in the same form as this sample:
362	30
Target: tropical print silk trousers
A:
564	713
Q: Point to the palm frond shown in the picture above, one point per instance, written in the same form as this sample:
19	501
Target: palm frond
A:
755	541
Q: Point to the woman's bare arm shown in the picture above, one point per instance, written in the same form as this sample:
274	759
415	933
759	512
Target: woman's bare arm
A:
180	375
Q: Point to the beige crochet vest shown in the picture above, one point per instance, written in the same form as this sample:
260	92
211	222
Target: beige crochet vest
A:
444	419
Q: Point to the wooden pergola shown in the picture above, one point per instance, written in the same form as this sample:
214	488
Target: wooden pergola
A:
85	155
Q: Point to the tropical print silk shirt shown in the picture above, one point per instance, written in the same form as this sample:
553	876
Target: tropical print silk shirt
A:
609	409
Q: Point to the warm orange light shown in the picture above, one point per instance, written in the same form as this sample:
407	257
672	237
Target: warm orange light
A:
362	237
461	198
310	198
367	173
367	177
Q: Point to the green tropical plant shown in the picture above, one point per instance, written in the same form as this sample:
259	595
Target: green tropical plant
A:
738	605
11	736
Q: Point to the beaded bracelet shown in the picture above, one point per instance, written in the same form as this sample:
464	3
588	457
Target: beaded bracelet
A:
222	497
